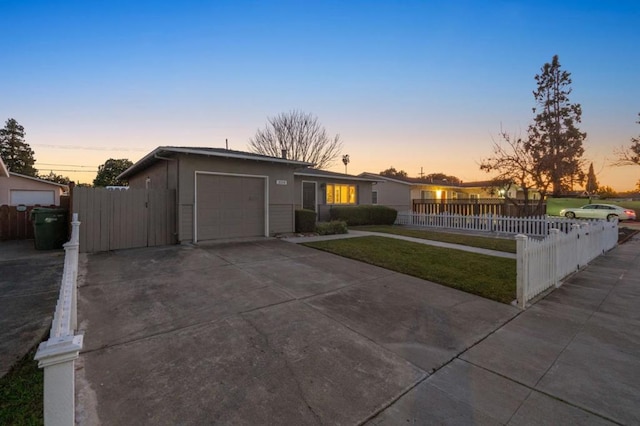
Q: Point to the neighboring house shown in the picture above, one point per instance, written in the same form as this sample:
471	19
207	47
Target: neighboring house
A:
319	190
17	189
222	193
400	193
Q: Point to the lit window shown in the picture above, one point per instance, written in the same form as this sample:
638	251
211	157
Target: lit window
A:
341	194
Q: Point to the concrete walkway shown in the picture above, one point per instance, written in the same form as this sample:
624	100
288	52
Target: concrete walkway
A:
355	234
29	286
266	332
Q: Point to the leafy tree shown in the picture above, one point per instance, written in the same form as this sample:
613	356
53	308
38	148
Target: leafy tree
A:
109	171
301	135
52	177
592	183
15	152
607	192
393	173
441	177
629	155
554	141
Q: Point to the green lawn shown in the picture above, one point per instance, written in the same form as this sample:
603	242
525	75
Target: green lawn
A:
554	205
500	244
487	276
21	391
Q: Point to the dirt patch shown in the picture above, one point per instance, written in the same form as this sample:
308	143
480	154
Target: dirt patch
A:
624	234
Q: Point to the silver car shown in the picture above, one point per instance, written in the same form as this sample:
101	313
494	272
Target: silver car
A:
599	211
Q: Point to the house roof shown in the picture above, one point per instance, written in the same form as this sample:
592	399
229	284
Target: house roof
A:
419	181
156	154
327	174
381	178
61	185
4	172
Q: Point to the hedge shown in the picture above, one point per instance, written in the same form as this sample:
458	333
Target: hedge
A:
331	228
364	215
305	221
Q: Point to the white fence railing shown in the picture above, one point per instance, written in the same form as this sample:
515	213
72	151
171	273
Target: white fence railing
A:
535	226
58	354
542	264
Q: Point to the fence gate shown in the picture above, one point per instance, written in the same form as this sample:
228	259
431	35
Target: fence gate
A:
113	219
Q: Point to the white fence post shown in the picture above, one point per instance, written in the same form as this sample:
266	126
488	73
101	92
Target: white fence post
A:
555	256
522	268
57	355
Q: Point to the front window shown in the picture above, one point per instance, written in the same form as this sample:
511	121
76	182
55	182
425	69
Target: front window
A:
374	197
341	194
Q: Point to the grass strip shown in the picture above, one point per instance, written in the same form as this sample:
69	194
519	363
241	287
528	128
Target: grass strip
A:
487	276
21	391
500	244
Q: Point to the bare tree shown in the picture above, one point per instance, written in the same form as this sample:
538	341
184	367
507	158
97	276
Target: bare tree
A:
301	135
628	156
516	166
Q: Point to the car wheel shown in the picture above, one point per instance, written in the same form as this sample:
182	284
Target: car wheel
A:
570	215
612	217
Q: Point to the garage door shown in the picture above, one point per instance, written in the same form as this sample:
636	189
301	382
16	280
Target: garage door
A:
229	206
32	198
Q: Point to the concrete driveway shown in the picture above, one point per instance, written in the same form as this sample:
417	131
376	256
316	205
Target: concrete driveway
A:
268	332
29	286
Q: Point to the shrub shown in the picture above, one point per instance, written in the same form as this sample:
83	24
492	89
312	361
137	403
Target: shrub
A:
305	221
331	228
364	215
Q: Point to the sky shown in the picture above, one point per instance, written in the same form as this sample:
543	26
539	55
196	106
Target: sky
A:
423	86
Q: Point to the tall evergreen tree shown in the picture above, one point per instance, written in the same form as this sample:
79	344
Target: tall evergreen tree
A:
554	141
15	152
592	183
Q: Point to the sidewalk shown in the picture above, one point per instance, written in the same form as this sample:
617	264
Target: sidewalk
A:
356	234
572	358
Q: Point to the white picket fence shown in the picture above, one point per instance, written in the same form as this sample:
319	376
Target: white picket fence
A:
535	226
542	264
58	354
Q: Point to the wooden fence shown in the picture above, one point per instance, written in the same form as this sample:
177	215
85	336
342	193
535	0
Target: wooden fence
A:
15	223
477	207
130	218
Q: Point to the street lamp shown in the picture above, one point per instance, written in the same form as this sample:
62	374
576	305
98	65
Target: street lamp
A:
345	160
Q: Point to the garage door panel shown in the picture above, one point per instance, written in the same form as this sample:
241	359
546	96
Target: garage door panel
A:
230	206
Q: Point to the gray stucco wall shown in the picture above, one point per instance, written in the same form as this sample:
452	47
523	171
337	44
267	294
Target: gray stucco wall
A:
161	175
393	194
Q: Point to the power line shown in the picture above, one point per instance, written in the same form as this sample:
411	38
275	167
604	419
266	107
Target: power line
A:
88	147
63	165
75	171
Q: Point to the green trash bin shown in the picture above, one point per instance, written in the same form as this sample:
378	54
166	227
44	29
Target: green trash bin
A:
49	228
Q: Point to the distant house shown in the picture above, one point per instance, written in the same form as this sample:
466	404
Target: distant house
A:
399	193
222	193
17	189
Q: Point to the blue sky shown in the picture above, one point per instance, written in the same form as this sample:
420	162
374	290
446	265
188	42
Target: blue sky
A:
406	84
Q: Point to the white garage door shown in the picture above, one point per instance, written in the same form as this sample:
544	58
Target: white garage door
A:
32	198
229	206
